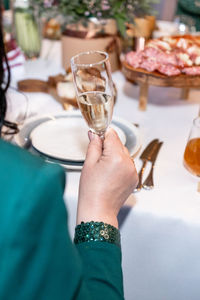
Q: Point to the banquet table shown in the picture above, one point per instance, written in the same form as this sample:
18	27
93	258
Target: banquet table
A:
160	228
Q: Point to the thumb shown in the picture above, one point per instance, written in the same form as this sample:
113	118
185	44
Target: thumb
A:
94	150
112	142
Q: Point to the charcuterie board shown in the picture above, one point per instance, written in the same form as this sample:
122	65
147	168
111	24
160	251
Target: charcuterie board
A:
170	61
158	79
145	79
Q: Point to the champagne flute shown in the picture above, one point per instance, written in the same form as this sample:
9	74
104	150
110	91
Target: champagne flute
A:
192	151
94	89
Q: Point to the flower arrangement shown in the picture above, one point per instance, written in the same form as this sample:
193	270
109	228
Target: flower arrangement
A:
122	11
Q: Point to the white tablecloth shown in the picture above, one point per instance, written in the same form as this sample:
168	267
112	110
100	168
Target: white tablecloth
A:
160	228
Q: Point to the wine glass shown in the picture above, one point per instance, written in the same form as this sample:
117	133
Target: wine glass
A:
185	24
192	151
94	89
16	113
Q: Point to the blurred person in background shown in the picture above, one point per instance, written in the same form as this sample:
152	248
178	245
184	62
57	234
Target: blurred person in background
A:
38	260
6	4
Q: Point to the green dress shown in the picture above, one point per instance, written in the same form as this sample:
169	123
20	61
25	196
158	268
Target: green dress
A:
38	260
190	8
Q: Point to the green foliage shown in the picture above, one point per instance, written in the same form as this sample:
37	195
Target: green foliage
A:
123	11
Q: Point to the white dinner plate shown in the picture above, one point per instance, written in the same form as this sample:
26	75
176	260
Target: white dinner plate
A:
65	138
23	138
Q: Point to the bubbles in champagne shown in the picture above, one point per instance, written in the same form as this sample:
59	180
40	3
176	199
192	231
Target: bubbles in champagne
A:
97	109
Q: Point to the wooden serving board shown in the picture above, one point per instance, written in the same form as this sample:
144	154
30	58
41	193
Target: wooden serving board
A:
36	86
49	87
145	78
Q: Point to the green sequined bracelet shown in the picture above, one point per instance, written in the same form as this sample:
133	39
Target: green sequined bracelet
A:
98	232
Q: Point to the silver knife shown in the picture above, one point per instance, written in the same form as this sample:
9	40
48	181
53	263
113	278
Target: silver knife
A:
148	183
145	156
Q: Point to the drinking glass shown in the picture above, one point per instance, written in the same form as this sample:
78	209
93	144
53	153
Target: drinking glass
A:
16	113
94	89
27	28
185	24
192	151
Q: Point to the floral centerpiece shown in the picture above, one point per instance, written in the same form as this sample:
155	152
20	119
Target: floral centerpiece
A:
82	11
122	11
102	20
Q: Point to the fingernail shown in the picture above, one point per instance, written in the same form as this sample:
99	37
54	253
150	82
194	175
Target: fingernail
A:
91	135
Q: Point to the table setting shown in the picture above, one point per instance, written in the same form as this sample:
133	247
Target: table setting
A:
174	198
160	221
63	138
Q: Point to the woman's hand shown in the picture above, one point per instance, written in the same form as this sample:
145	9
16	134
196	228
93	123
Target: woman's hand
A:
108	178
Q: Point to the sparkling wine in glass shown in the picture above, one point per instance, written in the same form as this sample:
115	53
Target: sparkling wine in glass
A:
192	151
94	89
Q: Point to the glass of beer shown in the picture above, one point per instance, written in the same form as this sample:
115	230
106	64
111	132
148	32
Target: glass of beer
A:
94	89
192	150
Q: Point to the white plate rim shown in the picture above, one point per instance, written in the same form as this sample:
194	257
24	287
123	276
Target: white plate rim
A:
41	146
67	165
